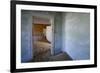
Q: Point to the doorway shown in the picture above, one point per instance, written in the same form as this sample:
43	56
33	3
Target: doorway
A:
41	38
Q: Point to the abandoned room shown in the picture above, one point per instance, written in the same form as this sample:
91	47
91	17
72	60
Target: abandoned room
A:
54	36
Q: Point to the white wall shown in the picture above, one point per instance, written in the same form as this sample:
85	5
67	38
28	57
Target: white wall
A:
76	37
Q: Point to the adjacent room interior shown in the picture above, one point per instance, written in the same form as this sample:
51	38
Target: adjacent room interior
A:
41	38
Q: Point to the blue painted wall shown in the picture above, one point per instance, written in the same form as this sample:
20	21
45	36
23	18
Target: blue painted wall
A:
76	35
57	33
26	36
